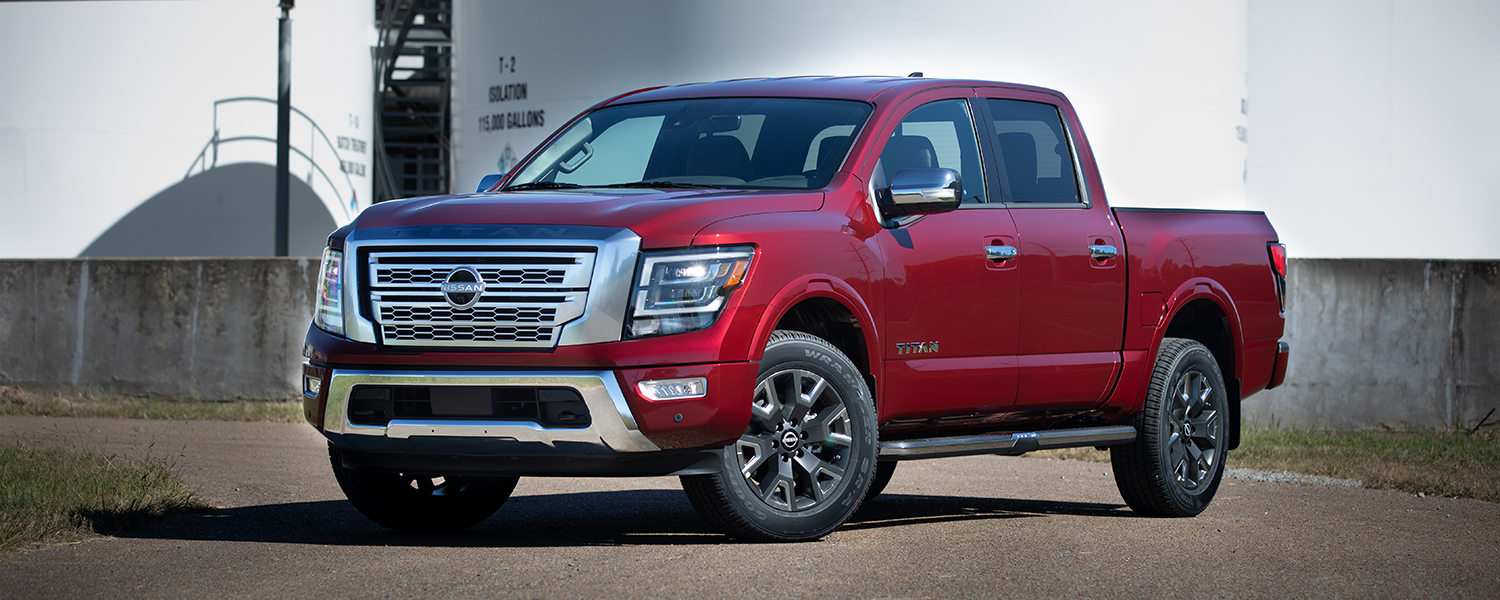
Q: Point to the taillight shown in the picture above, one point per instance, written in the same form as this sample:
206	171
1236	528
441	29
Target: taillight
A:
1278	267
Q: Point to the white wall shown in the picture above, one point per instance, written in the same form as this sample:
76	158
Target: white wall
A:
106	104
1374	126
1158	84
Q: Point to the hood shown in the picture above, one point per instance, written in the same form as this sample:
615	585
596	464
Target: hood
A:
662	218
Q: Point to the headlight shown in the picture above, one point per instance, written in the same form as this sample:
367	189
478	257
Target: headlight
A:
329	315
682	291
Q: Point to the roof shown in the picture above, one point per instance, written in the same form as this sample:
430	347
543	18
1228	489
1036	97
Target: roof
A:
864	88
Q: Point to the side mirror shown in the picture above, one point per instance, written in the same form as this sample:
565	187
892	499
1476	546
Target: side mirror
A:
488	182
922	191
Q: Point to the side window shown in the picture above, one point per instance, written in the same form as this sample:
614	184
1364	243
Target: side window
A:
1031	142
936	134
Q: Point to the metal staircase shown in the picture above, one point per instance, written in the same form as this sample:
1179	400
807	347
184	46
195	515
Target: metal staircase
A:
413	73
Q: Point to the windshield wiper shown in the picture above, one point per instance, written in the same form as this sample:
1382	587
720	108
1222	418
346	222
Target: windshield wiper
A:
541	185
665	185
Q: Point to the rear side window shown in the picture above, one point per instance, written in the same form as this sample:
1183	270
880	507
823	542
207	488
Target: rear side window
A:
1034	148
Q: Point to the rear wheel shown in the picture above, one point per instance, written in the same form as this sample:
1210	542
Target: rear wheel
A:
1174	466
412	502
808	455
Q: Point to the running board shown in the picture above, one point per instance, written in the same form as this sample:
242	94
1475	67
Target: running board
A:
1006	443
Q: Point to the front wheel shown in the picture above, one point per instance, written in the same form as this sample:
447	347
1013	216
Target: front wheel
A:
883	473
418	503
1174	466
806	458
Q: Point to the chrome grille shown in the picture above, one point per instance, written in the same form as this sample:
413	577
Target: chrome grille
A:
478	314
491	275
528	296
465	333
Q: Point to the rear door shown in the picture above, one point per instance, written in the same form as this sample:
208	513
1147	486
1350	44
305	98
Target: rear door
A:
1071	255
952	312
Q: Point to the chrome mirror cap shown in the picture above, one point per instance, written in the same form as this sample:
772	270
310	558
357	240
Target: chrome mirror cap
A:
923	191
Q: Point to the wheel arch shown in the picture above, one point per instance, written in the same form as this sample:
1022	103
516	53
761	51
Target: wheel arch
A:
1201	310
830	309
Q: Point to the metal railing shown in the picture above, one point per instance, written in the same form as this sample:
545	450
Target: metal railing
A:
343	206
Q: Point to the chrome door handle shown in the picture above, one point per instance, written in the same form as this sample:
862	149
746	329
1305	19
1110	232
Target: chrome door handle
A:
1102	251
1000	253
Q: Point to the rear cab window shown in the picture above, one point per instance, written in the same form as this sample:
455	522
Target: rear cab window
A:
1036	158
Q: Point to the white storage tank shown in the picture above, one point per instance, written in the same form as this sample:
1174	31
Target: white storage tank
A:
1160	86
149	128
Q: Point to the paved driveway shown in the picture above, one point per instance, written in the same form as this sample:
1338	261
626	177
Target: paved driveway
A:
962	527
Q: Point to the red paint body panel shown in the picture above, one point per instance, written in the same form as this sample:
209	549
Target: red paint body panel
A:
1050	335
663	219
714	420
1217	256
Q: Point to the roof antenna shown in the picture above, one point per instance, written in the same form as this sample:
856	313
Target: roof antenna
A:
915	74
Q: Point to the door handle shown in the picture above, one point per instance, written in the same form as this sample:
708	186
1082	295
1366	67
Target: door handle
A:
1102	251
1000	253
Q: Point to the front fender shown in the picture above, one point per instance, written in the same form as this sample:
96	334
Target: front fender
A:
818	285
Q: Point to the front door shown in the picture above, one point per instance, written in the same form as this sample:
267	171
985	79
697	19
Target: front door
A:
952	311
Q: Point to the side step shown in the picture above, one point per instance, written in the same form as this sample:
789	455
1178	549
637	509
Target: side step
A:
1006	443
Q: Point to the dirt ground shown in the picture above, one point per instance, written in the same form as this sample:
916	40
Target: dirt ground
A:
960	527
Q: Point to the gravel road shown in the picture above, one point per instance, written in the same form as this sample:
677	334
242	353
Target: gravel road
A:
962	527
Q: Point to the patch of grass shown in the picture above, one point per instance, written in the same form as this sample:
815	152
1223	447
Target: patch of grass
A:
1443	463
50	495
16	401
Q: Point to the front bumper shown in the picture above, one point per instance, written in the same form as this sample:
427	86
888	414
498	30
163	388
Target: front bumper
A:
618	440
613	428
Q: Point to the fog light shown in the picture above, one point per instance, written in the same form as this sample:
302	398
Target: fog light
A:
311	386
674	389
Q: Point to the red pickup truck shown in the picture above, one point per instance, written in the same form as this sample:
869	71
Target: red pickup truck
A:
778	290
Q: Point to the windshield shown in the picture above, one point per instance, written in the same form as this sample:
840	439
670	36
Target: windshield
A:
789	143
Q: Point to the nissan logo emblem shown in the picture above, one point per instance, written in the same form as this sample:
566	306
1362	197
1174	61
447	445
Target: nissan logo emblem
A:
463	287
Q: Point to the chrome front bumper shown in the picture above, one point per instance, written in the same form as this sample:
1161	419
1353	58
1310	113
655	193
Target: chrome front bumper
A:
613	428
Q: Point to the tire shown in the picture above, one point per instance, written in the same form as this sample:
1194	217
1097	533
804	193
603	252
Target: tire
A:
802	467
883	473
1174	466
422	503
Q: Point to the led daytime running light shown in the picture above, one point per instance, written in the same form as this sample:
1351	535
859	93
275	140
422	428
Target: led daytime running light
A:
329	314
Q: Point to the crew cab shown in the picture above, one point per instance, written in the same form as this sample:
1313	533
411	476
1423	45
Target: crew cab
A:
779	290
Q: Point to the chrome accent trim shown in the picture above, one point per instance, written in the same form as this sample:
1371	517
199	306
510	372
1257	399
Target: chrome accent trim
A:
1005	443
1000	253
599	389
1102	251
609	292
1078	173
356	326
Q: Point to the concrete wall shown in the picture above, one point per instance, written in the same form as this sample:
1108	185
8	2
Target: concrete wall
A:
1396	343
1399	343
200	328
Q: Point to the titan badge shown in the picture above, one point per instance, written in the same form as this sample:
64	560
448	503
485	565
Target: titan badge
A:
916	348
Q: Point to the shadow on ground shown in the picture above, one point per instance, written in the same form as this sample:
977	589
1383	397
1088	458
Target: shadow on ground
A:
616	518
